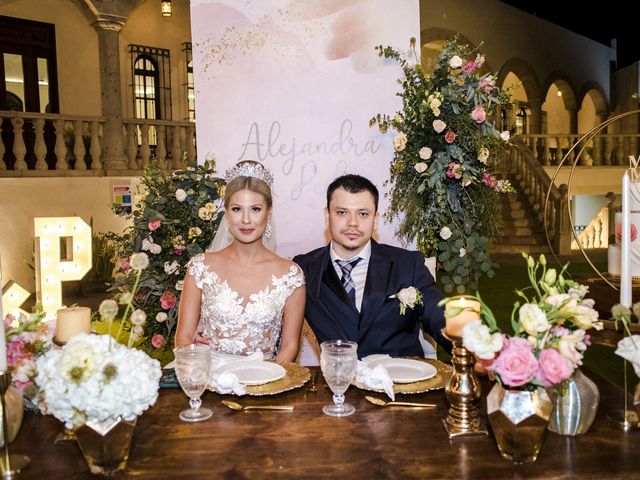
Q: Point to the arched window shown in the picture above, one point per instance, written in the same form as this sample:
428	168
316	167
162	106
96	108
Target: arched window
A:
145	81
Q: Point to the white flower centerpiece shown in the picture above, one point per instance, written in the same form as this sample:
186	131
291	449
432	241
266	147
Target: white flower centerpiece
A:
99	387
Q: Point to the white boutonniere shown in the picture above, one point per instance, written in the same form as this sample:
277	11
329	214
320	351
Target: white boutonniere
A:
409	297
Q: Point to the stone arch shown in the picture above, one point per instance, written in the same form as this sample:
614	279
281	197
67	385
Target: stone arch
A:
526	74
564	84
598	97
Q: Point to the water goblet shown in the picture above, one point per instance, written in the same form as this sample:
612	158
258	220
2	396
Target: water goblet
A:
192	369
338	362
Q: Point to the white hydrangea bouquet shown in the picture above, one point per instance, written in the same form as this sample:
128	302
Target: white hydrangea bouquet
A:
93	379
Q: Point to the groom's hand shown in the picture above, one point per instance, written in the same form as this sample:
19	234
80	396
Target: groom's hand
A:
200	339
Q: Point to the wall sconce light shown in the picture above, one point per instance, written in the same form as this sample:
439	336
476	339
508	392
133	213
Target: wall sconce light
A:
165	8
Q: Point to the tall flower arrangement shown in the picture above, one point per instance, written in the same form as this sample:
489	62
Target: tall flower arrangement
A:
175	217
549	323
442	187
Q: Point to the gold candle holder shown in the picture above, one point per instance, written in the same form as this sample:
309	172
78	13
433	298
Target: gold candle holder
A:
463	394
625	419
11	464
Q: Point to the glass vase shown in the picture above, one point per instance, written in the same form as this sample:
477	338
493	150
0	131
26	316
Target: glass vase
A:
106	445
519	420
15	411
575	403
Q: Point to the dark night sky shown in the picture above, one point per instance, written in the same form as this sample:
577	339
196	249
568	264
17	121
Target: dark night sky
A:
602	22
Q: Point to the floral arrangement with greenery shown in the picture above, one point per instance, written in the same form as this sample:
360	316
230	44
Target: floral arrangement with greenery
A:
27	337
549	322
442	188
93	378
174	218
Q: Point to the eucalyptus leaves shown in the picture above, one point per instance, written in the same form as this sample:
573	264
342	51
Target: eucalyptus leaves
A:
442	188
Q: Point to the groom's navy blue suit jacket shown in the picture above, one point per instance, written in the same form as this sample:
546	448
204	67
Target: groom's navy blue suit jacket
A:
379	327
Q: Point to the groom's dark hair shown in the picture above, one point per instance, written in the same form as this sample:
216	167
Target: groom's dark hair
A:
353	184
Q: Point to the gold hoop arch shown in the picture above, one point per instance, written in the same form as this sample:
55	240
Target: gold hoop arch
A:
582	142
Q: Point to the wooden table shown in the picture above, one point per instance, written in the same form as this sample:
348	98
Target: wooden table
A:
375	443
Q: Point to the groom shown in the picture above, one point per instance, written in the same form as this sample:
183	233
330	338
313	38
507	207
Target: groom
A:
351	282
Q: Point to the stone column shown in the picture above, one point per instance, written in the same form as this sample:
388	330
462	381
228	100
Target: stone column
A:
108	27
535	121
573	120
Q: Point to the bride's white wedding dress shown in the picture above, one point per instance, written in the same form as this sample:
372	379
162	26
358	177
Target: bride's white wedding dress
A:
235	328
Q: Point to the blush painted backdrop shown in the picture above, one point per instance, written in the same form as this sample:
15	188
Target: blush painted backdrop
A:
293	84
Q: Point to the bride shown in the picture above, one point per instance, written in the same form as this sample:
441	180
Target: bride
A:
245	298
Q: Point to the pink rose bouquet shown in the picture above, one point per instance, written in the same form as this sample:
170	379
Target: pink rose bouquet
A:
549	320
27	338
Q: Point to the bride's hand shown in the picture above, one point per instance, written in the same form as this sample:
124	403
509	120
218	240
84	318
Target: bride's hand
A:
199	338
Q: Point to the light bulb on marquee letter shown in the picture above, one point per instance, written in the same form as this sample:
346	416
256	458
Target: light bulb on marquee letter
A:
51	270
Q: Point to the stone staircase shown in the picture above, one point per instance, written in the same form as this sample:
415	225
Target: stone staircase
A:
521	229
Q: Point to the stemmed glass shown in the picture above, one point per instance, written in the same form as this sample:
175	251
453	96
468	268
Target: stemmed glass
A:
338	361
192	369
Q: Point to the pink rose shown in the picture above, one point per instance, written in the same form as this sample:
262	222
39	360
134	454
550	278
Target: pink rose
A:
8	320
154	225
488	179
157	340
478	114
553	368
450	136
179	250
168	300
17	351
516	364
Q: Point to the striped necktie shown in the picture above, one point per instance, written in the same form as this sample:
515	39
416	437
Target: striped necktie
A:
347	281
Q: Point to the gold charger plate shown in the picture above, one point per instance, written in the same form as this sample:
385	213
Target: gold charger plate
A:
295	377
437	382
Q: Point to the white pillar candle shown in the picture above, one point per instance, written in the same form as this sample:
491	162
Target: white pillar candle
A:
72	321
625	262
471	311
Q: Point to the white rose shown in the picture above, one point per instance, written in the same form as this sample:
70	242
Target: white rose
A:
477	339
462	252
421	167
146	243
483	155
533	319
436	112
435	103
505	135
161	317
170	268
400	141
445	233
408	296
439	125
181	195
628	349
138	317
155	248
425	153
455	62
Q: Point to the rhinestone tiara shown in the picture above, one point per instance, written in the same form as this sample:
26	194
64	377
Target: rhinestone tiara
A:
249	169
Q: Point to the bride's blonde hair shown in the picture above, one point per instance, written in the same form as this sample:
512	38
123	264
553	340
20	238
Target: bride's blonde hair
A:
249	175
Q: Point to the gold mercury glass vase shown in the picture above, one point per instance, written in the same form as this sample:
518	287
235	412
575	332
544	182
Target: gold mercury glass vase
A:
15	411
105	445
519	420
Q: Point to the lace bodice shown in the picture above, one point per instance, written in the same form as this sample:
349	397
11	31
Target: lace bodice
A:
242	330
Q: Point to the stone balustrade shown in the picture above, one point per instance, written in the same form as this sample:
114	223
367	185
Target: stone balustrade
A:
43	144
602	149
596	234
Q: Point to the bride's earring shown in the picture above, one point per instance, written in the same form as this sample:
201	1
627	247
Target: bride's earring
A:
229	236
268	231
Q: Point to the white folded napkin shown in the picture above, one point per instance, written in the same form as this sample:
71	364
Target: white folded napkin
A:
224	381
375	377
